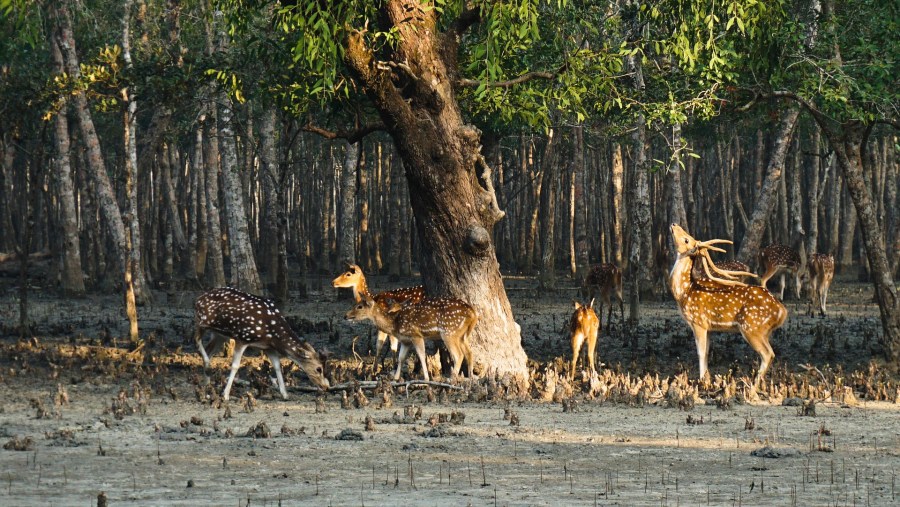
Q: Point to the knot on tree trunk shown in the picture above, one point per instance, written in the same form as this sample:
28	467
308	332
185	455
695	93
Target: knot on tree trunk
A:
477	240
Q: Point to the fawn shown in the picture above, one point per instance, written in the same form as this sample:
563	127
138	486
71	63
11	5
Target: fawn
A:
255	322
584	325
722	303
448	319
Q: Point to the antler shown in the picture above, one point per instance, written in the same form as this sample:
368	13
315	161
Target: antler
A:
707	262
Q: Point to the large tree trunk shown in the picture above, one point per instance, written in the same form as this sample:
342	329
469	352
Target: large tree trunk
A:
450	183
72	277
269	174
768	194
618	175
676	198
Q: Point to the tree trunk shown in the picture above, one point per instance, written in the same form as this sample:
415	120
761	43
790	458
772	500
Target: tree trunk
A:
580	232
133	264
676	199
269	174
72	276
640	256
347	217
105	197
847	146
768	194
618	175
449	182
549	185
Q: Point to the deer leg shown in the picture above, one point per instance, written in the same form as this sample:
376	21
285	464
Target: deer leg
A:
702	350
591	347
798	276
235	364
404	350
766	354
275	359
781	291
419	345
198	340
577	340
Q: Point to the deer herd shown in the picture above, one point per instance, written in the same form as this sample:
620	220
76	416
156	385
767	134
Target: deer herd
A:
710	297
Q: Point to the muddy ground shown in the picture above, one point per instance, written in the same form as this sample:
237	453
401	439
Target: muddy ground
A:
148	429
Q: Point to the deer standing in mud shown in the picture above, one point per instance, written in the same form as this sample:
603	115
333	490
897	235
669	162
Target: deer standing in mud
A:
584	326
254	322
722	302
447	319
354	278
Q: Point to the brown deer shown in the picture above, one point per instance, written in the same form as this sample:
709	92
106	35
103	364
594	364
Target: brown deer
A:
354	278
255	322
585	325
722	303
781	259
607	278
447	319
821	272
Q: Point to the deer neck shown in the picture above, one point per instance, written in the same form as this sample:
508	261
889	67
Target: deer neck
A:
384	322
680	279
361	289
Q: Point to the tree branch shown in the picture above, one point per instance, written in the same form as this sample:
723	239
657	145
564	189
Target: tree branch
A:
524	78
468	17
352	137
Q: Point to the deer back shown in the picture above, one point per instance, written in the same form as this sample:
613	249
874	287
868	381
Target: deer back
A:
584	319
821	266
779	256
432	317
719	307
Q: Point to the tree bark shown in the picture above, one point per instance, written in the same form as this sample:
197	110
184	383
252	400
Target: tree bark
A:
105	197
676	199
582	249
768	194
549	186
347	218
450	184
72	276
847	144
618	175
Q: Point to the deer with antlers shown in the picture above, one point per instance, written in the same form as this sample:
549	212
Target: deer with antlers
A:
738	266
821	272
721	302
584	326
781	259
447	319
354	278
606	278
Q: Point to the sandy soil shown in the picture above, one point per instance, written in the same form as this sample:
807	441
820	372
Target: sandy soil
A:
149	431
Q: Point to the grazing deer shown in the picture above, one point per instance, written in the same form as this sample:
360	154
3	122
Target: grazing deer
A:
821	272
699	273
354	278
775	259
255	322
585	325
448	319
722	303
607	278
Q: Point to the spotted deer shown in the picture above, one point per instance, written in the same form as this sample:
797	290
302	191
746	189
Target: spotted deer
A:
354	278
607	278
255	322
447	319
722	303
584	326
780	259
821	272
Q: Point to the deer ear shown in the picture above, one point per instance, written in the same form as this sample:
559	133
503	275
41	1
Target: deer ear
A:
577	304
